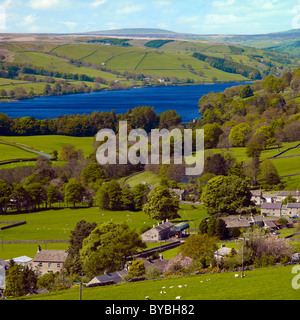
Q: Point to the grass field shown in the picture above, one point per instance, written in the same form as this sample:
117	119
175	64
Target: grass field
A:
48	143
272	283
10	152
56	224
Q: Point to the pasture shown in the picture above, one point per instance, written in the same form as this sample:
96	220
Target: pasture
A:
271	283
57	223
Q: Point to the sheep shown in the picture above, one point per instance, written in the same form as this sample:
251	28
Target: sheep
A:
178	298
147	298
162	292
236	275
180	286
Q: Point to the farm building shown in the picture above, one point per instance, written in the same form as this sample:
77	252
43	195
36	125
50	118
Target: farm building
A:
260	197
246	222
106	279
165	231
160	232
47	261
222	252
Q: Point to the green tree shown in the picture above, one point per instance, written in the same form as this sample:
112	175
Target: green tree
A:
92	172
226	194
115	195
68	152
36	193
212	132
73	192
52	194
107	246
246	92
161	204
203	226
137	269
20	280
289	199
127	198
200	248
139	193
5	194
102	197
82	230
269	173
238	134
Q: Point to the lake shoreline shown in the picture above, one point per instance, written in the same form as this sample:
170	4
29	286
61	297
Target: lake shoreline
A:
128	88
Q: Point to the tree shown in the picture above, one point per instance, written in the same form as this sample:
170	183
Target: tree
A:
212	132
137	269
82	230
92	172
36	193
238	134
127	199
5	194
73	192
52	194
226	194
68	152
215	164
102	197
269	173
203	226
139	194
161	204
246	92
200	248
107	246
115	195
289	199
20	280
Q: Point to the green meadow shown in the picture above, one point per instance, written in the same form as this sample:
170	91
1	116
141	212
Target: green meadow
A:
271	283
57	223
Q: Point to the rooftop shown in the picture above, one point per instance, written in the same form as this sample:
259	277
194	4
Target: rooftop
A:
274	206
51	256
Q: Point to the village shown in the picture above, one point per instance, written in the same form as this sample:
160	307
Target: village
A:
274	216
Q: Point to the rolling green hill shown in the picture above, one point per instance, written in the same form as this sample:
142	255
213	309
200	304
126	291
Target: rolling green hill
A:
102	63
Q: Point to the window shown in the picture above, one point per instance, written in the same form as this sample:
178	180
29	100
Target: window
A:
49	265
58	265
40	264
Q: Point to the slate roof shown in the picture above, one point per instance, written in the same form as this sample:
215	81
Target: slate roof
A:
271	206
164	226
293	205
51	256
115	277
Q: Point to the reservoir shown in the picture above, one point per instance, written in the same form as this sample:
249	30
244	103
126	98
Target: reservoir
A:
183	99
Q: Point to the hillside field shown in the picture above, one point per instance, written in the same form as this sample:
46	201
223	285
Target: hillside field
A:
271	283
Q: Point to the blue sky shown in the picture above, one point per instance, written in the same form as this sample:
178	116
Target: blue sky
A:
190	16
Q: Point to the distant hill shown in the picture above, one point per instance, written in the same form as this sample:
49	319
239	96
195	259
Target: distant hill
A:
284	41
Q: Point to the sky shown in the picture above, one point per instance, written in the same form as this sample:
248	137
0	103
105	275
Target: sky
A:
185	16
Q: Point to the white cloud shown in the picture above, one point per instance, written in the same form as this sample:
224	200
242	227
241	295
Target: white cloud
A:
43	4
222	19
97	3
221	3
28	20
163	3
130	9
70	24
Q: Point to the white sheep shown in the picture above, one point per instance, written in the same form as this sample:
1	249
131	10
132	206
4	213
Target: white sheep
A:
178	298
236	275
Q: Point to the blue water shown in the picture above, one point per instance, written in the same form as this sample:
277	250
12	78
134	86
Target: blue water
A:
183	99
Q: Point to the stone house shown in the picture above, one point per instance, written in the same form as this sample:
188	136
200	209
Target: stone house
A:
222	252
260	197
160	232
273	209
106	279
47	261
293	209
